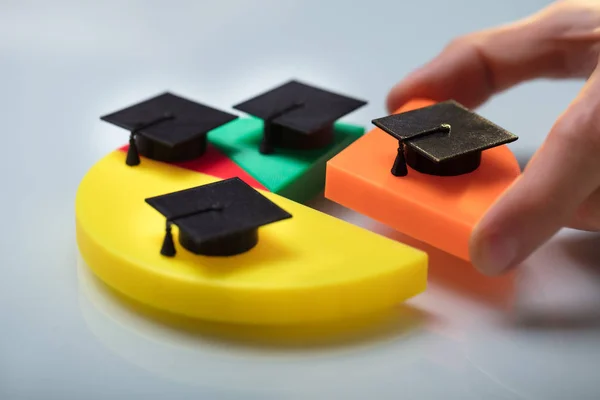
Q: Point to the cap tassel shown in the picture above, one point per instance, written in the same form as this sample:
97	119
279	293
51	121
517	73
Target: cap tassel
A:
399	168
266	147
133	157
168	247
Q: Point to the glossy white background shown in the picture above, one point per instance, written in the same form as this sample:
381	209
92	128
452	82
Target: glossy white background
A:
63	335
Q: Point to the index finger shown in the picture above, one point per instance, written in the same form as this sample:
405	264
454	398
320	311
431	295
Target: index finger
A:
474	67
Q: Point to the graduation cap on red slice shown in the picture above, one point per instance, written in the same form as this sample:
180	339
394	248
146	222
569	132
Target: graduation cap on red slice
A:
298	116
217	219
167	128
444	139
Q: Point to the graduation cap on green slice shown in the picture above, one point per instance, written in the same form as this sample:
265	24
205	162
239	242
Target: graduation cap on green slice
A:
298	116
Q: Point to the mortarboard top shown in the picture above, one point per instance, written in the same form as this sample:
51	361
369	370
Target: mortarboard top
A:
217	219
168	127
444	139
298	116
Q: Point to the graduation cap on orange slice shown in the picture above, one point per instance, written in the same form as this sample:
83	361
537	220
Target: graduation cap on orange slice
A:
298	116
217	219
444	139
167	128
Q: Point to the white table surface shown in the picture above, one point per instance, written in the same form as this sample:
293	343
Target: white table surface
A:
64	335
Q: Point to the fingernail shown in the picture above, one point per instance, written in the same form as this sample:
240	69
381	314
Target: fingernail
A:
496	254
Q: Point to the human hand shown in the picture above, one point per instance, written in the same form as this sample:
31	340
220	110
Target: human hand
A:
560	187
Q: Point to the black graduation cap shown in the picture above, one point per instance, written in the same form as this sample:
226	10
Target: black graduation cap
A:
444	139
217	219
298	116
168	127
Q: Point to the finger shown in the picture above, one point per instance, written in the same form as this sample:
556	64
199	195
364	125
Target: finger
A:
554	43
564	172
460	72
587	216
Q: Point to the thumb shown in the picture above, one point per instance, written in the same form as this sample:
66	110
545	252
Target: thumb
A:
561	175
